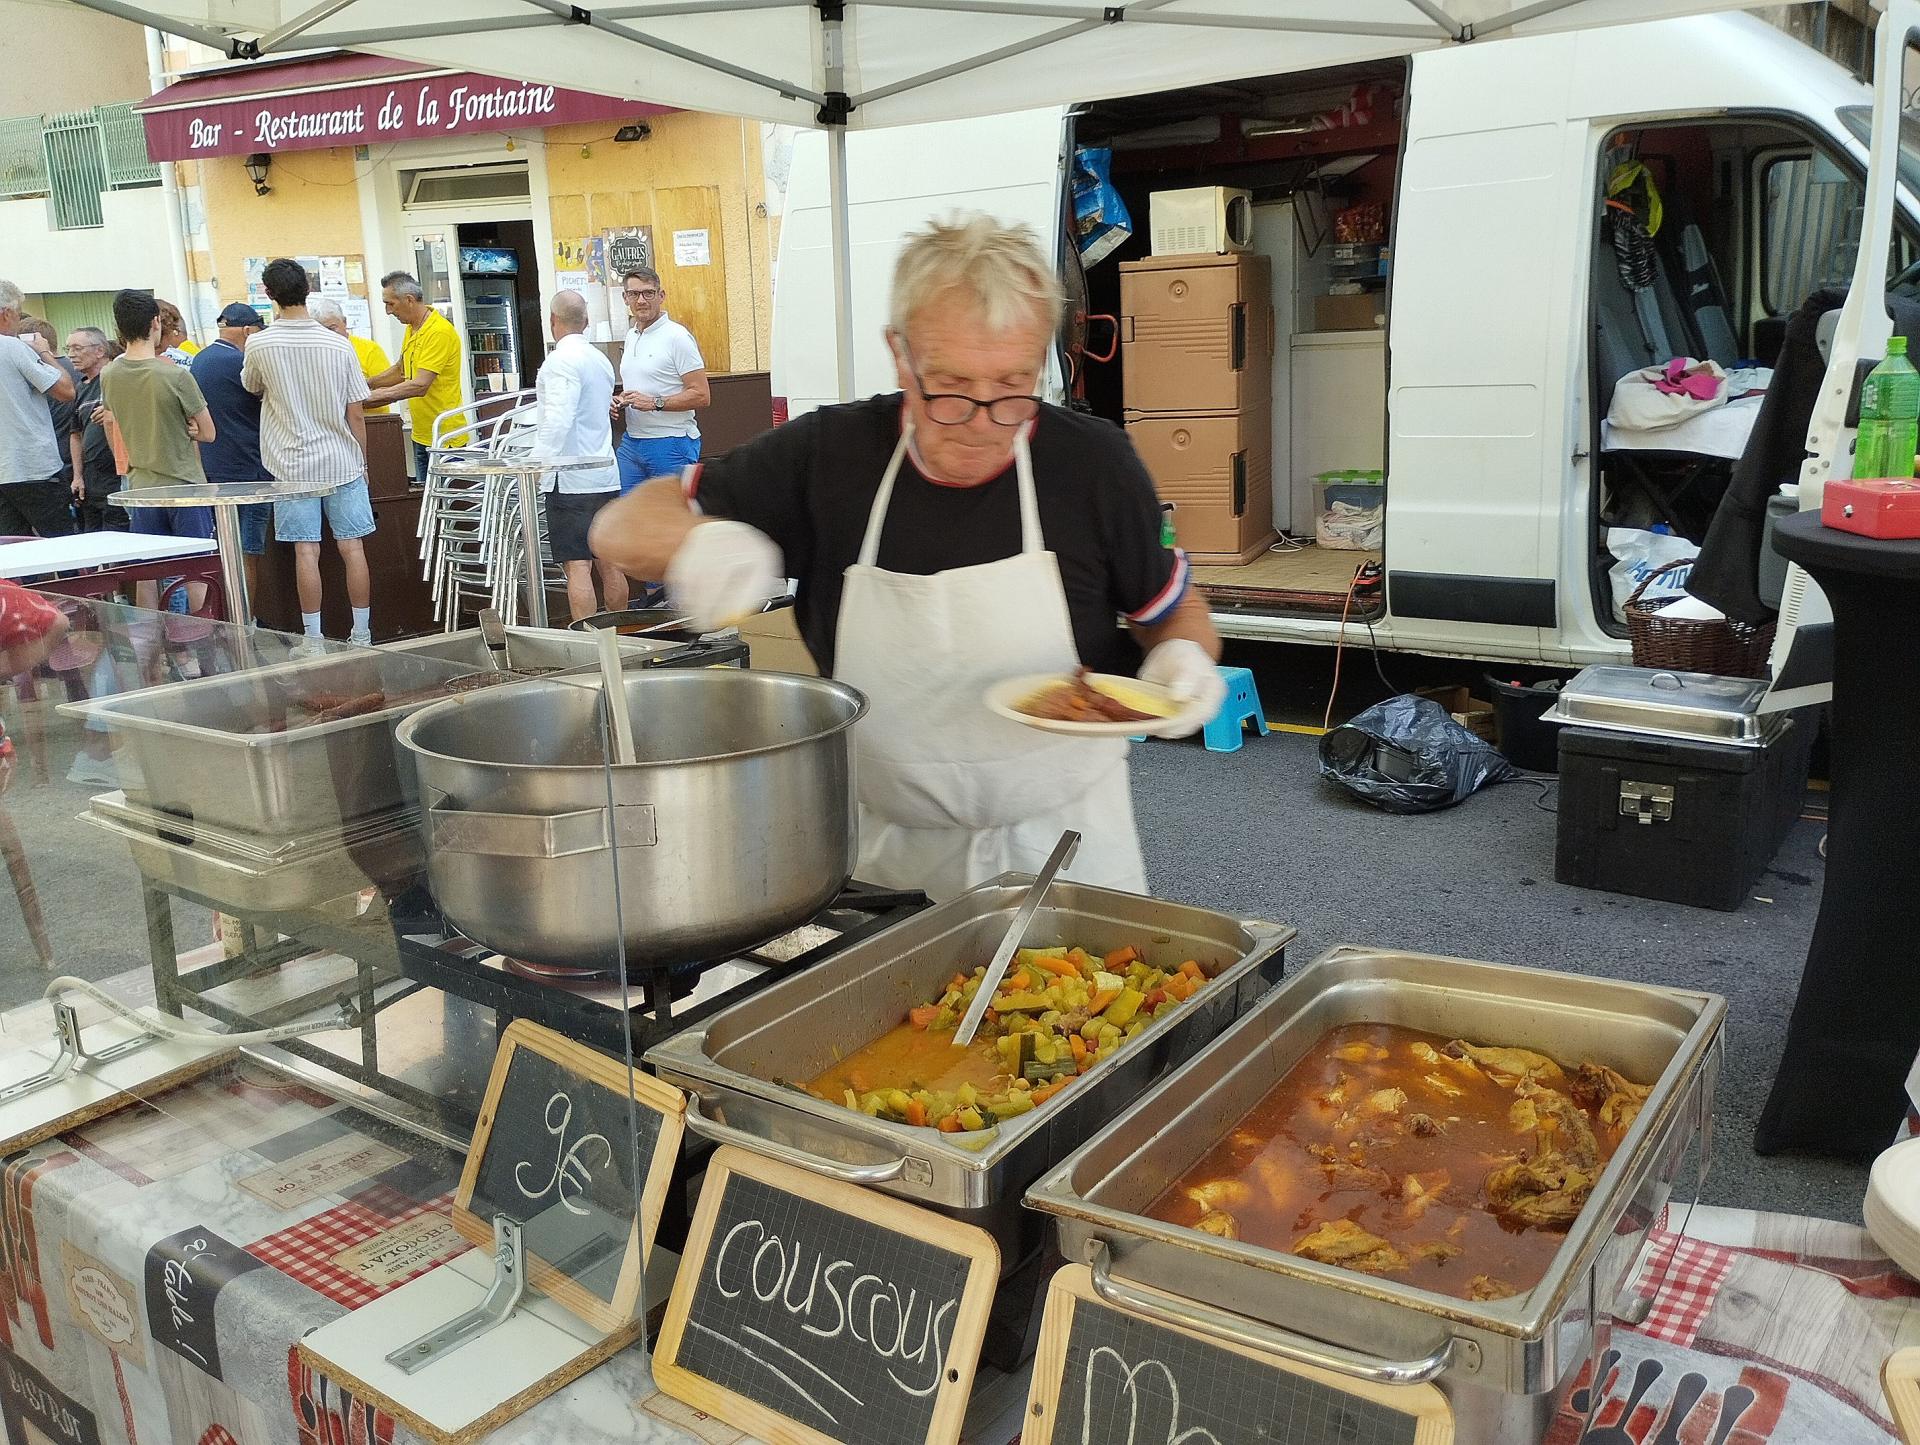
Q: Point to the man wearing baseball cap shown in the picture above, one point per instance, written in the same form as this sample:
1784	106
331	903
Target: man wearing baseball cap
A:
234	453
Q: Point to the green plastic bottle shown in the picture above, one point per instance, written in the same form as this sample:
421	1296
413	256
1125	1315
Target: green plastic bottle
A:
1889	416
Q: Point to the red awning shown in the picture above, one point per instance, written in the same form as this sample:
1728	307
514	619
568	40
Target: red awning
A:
352	99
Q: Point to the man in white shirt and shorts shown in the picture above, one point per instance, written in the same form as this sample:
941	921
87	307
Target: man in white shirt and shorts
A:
663	382
575	387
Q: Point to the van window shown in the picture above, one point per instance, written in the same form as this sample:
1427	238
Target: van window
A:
1809	229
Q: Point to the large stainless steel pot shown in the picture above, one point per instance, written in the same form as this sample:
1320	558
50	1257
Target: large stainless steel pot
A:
736	822
736	1064
1502	1364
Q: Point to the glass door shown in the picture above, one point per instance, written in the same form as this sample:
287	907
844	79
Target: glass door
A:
436	264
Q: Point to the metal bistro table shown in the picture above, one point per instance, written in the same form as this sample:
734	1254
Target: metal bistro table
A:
225	498
524	473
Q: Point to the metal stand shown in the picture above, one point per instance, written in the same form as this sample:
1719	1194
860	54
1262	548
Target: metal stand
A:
233	564
528	485
73	1055
503	1298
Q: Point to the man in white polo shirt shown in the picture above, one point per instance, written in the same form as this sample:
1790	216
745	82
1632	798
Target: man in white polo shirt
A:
575	387
312	430
663	381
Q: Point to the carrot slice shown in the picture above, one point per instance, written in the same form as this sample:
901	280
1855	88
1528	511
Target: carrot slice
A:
1059	966
923	1016
1121	957
916	1113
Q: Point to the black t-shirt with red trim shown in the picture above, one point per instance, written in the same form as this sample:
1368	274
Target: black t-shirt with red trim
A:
810	486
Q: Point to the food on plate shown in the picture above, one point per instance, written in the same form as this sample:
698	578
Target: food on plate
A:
1075	699
1057	1013
1452	1165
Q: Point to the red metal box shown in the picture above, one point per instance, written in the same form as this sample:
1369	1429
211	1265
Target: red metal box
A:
1888	509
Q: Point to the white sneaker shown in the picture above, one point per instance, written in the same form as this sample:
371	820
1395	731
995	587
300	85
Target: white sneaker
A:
307	647
99	772
360	639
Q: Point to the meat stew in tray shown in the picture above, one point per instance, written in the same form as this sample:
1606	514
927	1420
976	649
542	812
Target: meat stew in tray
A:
1446	1165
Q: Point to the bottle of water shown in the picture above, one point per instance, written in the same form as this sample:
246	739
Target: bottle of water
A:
1889	417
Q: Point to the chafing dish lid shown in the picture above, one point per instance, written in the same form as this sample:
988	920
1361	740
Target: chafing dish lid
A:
1693	705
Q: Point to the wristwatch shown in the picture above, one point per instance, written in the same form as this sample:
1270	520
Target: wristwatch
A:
659	403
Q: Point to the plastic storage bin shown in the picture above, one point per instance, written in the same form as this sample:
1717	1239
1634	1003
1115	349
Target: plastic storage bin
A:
1521	730
1349	511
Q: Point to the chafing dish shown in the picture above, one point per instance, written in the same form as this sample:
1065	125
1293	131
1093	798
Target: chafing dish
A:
200	757
736	1066
1501	1364
1691	706
245	875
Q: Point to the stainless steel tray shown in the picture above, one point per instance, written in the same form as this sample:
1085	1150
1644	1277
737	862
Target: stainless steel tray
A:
1375	1328
199	760
1691	706
390	857
531	647
734	1064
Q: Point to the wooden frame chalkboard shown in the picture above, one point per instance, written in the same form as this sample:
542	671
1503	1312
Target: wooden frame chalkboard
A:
815	1259
1183	1400
550	1150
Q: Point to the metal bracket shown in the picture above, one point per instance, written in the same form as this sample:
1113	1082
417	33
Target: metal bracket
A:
509	1287
1647	802
73	1055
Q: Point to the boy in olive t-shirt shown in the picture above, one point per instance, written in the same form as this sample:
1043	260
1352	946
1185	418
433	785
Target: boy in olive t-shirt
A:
161	414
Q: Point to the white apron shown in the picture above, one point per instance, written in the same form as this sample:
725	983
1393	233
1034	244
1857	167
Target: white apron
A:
950	793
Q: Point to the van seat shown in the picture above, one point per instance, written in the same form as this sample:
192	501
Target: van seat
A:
1636	331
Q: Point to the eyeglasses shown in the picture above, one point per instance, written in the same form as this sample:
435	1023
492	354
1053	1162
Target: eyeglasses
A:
954	408
647	295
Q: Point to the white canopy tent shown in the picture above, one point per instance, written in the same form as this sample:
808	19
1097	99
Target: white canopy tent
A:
845	64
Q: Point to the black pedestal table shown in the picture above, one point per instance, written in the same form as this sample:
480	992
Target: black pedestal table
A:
1856	1023
225	499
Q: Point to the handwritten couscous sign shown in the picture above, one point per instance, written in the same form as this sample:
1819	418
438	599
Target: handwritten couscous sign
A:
808	1311
578	1150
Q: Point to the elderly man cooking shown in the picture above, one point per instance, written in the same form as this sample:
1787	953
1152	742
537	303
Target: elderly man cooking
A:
951	535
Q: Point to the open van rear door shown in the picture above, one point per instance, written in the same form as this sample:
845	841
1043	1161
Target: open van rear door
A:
1011	166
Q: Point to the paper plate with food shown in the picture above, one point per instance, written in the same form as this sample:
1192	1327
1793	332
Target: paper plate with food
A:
1092	705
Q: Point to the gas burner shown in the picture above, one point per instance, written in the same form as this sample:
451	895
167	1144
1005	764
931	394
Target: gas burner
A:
551	972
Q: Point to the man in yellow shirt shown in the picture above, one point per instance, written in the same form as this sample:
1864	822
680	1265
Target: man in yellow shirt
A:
428	376
372	358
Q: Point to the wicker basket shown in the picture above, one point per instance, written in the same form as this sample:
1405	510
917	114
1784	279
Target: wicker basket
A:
1719	646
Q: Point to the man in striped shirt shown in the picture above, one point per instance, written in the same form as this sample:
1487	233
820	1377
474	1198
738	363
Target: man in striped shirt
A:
312	430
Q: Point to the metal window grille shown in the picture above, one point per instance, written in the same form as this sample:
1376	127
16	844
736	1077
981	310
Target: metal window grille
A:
23	159
76	169
125	139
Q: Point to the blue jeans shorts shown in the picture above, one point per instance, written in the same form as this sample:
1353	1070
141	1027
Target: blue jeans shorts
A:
349	515
644	458
254	521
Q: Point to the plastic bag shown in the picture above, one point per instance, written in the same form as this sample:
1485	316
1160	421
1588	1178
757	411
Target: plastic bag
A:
1637	554
1406	755
1100	218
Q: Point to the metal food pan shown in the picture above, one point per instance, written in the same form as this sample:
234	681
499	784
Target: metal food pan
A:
743	1066
1373	1327
528	647
390	858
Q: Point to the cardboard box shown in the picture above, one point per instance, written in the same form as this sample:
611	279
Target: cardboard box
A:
1472	713
774	644
1366	312
1217	470
1196	333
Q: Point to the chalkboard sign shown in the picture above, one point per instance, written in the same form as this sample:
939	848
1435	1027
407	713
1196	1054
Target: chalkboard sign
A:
577	1150
1112	1377
809	1311
629	248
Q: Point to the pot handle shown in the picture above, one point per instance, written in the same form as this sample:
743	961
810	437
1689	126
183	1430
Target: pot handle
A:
849	1173
1236	1329
538	835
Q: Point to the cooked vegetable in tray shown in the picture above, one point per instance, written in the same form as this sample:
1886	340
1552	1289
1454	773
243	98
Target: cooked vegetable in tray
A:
1450	1165
1056	1014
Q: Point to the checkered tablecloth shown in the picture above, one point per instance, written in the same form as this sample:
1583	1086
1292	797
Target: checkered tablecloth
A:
306	1251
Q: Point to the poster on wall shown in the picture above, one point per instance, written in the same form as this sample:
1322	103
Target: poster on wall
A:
629	248
692	248
580	265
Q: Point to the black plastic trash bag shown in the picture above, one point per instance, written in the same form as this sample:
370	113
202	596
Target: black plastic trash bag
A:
1408	755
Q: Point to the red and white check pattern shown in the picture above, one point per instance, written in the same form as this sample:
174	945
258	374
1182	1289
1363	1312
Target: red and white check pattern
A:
1681	1275
305	1251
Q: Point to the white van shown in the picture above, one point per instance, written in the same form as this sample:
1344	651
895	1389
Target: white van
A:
1508	312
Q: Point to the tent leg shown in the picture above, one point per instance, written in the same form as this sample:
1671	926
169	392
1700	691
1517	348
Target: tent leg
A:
842	257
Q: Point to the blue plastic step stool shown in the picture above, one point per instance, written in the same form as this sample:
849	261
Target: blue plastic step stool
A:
1242	706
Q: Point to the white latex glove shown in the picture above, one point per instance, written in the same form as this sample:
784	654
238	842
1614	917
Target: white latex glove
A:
723	572
1183	668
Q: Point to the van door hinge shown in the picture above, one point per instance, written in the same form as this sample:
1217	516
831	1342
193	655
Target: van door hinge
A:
1647	802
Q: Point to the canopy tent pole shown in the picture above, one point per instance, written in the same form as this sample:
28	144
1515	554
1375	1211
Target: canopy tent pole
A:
167	25
842	258
299	25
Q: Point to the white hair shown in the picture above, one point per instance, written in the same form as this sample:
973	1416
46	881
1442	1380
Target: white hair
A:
1000	267
324	309
11	297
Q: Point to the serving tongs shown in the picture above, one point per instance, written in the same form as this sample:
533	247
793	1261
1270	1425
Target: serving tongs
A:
1062	854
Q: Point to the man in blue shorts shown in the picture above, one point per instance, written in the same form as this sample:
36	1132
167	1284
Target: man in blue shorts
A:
312	430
